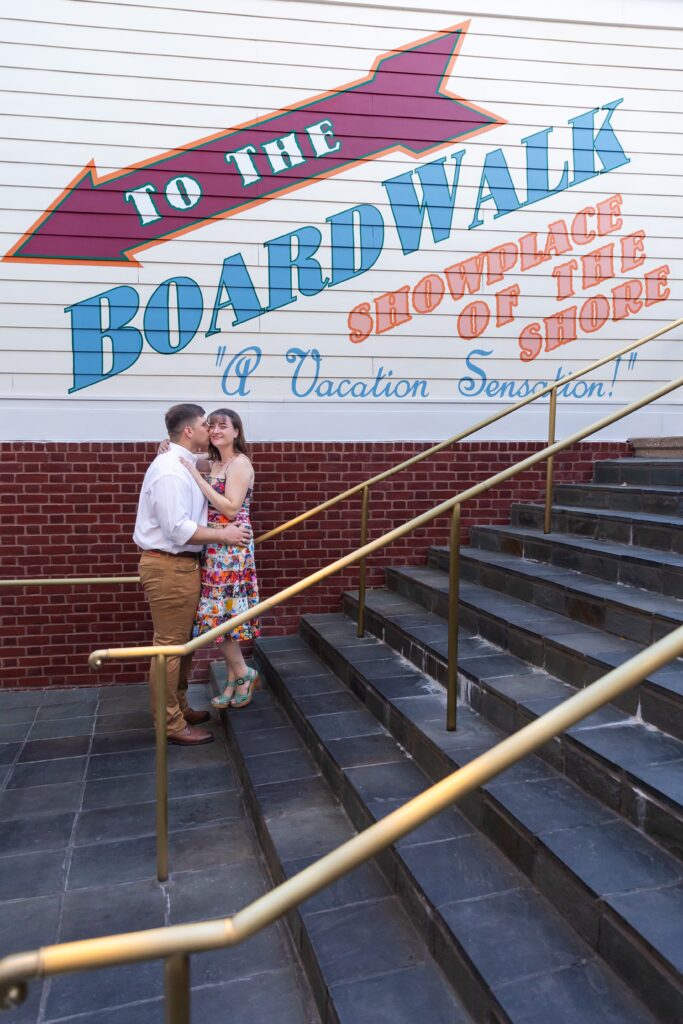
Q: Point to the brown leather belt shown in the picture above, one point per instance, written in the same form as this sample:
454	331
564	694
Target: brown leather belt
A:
172	554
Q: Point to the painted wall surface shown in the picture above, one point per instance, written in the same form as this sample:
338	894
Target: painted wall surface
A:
350	222
83	497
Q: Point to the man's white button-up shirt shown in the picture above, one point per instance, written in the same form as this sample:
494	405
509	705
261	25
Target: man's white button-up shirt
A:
171	506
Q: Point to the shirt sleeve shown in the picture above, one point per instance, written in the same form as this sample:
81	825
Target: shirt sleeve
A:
171	502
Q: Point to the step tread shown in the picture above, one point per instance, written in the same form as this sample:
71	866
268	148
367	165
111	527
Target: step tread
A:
640	460
570	635
474	730
608	513
666	489
460	872
577	582
652	758
567	807
364	945
657	915
626	551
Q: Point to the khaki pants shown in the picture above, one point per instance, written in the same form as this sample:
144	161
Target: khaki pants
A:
171	584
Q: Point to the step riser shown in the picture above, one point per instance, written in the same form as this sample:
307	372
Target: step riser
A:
292	919
319	972
592	527
475	996
657	473
639	626
428	757
478	624
597	776
548	875
623	500
265	842
574	667
666	580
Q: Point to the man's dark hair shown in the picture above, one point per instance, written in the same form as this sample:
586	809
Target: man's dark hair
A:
180	416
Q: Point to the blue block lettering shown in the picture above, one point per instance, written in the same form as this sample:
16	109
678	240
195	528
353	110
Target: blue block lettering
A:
156	321
496	176
281	264
438	202
239	291
587	144
370	226
88	333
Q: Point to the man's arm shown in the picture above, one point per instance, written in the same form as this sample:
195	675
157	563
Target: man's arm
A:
169	496
233	534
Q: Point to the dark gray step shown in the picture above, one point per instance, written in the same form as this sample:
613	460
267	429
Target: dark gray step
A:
362	955
635	770
662	533
649	472
574	850
461	891
660	571
573	651
625	611
651	500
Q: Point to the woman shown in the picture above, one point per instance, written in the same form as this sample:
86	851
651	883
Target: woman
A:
229	585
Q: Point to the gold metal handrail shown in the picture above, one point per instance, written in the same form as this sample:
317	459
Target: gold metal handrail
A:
177	942
160	653
60	581
550	389
365	485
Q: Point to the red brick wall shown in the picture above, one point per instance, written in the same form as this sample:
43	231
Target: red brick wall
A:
69	509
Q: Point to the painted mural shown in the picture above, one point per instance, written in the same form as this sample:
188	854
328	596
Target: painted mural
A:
449	230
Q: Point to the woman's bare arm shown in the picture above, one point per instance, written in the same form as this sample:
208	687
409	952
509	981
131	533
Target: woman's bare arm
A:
236	486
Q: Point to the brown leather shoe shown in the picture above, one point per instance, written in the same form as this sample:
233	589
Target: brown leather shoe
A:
193	717
189	737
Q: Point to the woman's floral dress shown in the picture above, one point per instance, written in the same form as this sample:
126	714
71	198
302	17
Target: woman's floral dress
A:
229	585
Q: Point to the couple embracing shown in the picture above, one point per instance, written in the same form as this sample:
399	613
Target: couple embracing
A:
197	562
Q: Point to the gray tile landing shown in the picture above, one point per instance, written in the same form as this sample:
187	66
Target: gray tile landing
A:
77	860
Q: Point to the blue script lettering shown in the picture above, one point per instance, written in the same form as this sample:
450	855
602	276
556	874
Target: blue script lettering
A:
481	385
307	381
241	367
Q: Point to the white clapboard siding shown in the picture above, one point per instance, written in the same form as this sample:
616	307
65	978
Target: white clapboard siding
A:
110	85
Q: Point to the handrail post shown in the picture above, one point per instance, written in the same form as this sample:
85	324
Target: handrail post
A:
177	988
361	564
548	513
453	602
159	667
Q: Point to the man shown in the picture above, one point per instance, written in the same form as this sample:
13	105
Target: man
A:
171	529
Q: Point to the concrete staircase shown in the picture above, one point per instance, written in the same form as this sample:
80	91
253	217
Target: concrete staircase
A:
554	893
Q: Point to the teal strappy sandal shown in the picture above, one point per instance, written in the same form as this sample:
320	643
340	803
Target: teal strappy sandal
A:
240	700
224	699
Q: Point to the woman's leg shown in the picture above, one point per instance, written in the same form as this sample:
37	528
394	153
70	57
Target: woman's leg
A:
235	669
234	662
245	688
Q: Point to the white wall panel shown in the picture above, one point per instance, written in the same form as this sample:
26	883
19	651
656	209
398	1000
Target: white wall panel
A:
120	84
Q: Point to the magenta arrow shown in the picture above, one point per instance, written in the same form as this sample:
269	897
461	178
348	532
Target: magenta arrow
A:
401	105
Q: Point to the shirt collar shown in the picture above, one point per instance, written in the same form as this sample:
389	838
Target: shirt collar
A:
178	450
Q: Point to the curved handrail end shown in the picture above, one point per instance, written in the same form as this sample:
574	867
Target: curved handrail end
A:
15	971
13	994
95	659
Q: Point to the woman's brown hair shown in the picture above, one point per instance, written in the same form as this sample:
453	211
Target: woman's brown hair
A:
240	440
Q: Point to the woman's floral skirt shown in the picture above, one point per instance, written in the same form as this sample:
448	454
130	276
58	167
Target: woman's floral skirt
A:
229	586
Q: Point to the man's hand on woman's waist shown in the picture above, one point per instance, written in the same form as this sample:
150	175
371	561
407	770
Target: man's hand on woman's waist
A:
234	534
